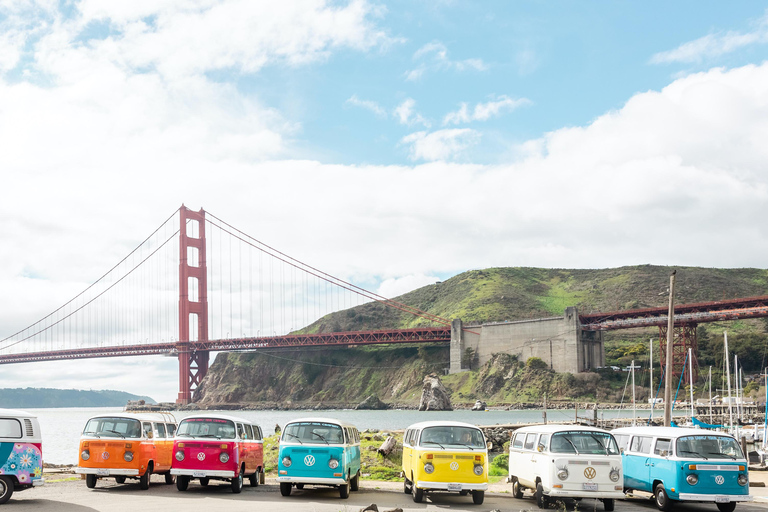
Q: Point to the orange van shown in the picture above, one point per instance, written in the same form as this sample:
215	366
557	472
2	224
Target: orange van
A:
127	445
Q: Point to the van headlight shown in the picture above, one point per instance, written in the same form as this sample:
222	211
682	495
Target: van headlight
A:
692	479
180	455
85	455
333	463
478	470
743	479
128	456
287	462
615	475
562	473
429	468
224	457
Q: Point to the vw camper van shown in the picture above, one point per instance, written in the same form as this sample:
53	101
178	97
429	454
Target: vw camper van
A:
218	447
565	461
685	464
319	451
127	445
21	453
445	456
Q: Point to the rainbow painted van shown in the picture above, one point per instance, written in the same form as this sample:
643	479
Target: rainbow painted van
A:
21	453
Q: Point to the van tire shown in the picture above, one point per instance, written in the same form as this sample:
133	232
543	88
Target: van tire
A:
542	501
237	483
478	497
144	479
517	490
285	489
120	479
168	478
344	491
182	482
254	479
661	498
6	489
418	494
608	504
406	485
726	507
354	484
90	481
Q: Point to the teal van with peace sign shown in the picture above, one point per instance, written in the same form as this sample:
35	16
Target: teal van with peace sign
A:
21	453
319	451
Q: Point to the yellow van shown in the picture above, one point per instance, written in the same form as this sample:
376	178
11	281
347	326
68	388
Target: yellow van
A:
445	456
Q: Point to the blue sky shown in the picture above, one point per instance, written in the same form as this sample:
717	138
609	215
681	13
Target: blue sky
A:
391	144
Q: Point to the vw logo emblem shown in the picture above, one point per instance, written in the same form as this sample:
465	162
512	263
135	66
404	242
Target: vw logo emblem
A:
719	480
454	465
309	460
201	456
105	455
590	472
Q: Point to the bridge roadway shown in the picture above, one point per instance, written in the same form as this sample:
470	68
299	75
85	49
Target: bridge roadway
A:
73	496
418	335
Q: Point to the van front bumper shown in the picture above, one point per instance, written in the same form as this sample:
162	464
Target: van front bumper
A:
106	471
560	493
203	473
37	482
444	486
310	480
714	498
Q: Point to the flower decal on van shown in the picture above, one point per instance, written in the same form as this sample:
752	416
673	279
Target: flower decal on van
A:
25	461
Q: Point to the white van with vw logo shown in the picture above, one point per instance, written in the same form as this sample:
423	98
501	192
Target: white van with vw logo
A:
566	461
319	451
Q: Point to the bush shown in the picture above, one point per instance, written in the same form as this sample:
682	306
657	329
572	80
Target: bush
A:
536	363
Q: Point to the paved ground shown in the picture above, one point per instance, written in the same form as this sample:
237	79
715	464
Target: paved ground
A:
64	494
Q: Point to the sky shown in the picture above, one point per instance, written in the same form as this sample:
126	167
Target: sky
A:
391	143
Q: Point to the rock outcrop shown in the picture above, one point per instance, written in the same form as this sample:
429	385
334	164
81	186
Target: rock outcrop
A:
372	403
480	406
434	396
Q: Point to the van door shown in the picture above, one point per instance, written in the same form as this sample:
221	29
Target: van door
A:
637	464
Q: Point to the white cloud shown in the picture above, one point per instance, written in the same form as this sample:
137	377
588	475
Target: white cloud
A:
714	45
484	111
396	286
440	145
368	105
434	57
406	114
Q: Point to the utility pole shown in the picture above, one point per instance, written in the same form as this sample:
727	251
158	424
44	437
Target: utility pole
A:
670	339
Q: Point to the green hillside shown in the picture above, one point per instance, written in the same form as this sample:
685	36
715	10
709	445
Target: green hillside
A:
39	398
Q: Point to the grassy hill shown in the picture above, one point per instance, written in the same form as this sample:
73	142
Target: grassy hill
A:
37	398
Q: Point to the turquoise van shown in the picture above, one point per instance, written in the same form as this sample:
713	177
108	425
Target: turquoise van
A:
684	464
21	453
319	451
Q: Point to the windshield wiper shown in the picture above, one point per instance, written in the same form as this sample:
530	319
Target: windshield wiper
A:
185	434
92	433
321	437
599	442
295	437
462	444
116	432
571	443
433	442
695	453
210	435
720	454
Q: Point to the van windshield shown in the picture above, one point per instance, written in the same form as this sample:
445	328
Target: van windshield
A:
313	432
124	428
709	447
206	427
584	442
443	436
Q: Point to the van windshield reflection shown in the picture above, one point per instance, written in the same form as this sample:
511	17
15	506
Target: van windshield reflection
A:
581	442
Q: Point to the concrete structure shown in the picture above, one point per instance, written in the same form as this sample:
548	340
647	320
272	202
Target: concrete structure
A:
558	341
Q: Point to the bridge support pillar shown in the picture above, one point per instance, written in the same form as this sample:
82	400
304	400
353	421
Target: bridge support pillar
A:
193	363
457	346
684	337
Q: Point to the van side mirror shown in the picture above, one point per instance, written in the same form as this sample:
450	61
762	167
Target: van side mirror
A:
150	434
621	451
489	445
540	448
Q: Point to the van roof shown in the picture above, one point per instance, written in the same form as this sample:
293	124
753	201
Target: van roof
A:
163	417
235	419
668	431
425	424
322	420
8	413
551	428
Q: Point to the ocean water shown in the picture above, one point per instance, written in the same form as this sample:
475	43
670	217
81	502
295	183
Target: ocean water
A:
61	427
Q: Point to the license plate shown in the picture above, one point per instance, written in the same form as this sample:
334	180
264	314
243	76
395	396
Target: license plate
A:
102	472
454	487
198	474
722	499
589	486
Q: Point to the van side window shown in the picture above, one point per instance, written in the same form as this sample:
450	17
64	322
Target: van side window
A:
147	428
530	440
160	429
240	431
543	443
10	428
518	441
171	429
641	444
258	433
622	440
249	431
663	447
410	437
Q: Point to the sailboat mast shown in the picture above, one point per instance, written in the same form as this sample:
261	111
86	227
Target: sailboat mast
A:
710	393
690	373
634	407
728	378
650	366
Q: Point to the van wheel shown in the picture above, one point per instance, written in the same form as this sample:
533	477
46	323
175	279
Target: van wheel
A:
120	479
354	484
237	483
168	478
418	494
517	490
6	489
254	479
541	500
406	486
144	479
662	499
478	497
285	489
344	491
608	504
90	481
182	482
727	507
